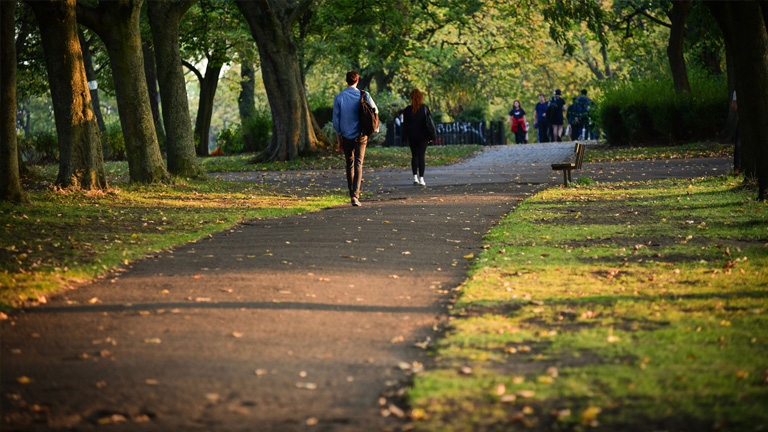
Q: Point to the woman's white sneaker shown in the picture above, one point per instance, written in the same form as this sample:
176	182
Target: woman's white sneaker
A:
415	179
422	182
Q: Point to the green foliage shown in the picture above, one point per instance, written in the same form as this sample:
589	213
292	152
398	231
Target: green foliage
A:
113	143
473	113
231	139
389	105
649	111
40	147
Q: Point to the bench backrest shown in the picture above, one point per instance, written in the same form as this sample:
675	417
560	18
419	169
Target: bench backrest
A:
580	149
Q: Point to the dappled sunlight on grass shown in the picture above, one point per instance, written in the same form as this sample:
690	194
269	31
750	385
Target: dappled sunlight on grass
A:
61	237
631	306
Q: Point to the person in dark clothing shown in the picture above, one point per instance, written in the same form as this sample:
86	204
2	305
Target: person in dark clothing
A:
555	113
572	114
540	120
517	119
415	132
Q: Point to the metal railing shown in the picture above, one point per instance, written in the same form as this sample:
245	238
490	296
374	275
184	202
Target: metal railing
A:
483	133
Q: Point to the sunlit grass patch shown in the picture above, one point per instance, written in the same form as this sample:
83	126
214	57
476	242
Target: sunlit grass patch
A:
64	236
681	151
631	306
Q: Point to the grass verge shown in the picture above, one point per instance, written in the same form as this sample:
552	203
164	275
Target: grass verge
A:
682	151
630	306
61	237
375	157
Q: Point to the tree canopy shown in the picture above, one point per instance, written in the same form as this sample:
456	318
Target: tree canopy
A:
470	58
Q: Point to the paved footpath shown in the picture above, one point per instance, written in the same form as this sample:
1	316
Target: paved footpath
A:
286	324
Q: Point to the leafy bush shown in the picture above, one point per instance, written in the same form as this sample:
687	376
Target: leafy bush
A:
329	132
649	111
113	143
260	127
232	140
374	140
40	147
473	113
323	114
389	105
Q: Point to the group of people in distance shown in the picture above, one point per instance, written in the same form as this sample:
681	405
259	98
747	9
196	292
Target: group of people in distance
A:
350	140
549	118
548	121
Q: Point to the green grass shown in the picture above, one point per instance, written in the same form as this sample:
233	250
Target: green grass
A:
61	237
631	306
375	157
682	151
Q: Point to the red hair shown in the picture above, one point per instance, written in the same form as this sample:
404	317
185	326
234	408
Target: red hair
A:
417	100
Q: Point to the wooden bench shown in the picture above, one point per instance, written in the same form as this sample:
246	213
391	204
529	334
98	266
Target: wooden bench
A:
570	164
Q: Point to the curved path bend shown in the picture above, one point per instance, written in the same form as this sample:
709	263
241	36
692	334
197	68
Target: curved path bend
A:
288	324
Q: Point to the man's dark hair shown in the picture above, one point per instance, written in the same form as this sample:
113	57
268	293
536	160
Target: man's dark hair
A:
352	77
584	92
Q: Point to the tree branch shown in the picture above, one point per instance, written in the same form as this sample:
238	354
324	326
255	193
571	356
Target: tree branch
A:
89	17
654	19
299	11
193	69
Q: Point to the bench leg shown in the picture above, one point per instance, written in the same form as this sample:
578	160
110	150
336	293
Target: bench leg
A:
565	176
570	179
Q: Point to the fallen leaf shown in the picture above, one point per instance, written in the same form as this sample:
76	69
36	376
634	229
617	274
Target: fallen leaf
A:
526	393
589	416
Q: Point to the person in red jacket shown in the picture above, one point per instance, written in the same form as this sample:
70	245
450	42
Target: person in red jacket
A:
518	124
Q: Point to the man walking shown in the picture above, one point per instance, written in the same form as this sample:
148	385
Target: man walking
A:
350	140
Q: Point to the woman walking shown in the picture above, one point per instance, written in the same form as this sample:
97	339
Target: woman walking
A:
415	132
517	118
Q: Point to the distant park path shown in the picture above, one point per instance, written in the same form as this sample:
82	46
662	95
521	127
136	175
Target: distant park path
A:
288	324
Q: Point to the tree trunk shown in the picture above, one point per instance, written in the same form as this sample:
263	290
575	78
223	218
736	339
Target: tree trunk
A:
90	75
148	52
164	17
117	24
270	22
10	182
745	25
246	102
205	106
675	46
728	133
80	160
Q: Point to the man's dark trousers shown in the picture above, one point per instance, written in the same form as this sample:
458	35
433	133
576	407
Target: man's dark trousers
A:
354	152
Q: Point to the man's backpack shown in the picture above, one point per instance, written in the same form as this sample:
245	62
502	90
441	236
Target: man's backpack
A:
369	118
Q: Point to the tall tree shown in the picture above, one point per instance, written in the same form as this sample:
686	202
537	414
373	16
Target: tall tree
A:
80	160
677	16
10	183
246	104
745	28
117	24
164	18
150	74
208	85
271	23
90	75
